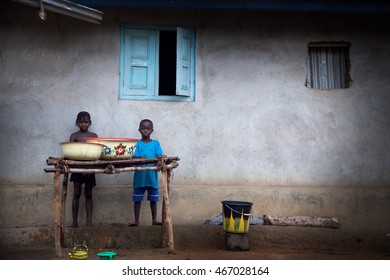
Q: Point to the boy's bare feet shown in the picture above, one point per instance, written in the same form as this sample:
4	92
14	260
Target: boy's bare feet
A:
157	223
135	224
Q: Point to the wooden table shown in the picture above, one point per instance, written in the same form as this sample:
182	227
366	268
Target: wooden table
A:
163	164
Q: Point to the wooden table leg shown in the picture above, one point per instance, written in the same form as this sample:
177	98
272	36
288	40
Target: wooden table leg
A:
57	213
168	218
63	207
164	225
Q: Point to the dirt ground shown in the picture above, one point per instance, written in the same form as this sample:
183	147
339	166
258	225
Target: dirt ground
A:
45	252
206	243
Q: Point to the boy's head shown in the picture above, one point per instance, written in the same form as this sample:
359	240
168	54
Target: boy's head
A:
83	116
146	128
145	122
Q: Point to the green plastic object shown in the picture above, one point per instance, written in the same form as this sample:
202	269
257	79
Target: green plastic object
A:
106	255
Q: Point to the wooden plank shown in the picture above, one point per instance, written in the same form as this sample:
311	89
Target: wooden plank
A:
308	221
134	161
109	169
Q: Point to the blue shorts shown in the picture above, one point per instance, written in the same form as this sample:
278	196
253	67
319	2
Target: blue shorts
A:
138	194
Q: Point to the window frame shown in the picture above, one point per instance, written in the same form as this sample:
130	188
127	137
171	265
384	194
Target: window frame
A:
131	94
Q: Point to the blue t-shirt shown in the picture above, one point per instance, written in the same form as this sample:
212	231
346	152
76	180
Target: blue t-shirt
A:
147	178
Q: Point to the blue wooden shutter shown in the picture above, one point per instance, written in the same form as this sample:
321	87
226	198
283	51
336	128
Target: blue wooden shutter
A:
183	62
139	62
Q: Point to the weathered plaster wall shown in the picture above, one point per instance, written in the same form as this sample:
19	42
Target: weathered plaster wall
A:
255	132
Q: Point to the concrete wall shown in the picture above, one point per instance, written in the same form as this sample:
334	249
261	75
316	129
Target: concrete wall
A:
254	133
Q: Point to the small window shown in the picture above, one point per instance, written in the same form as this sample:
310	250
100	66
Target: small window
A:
328	66
157	63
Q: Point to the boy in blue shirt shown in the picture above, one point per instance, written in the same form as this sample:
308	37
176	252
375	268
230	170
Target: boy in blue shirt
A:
146	180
